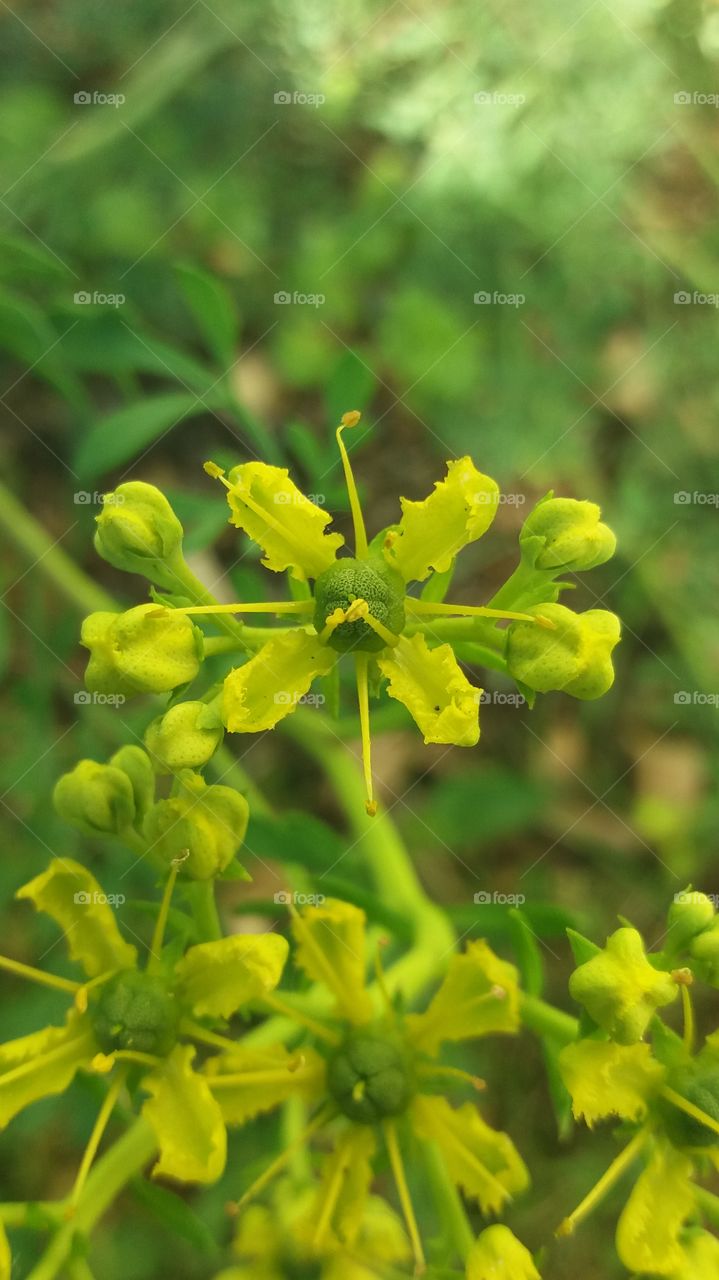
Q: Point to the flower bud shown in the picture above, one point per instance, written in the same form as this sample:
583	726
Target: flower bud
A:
138	531
185	737
705	955
96	798
497	1254
620	989
575	657
209	821
563	534
690	914
136	764
145	650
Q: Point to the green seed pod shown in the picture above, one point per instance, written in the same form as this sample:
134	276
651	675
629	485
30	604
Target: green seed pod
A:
565	535
145	650
690	914
135	1010
370	1077
209	821
136	764
97	798
138	531
699	1086
178	739
575	657
348	580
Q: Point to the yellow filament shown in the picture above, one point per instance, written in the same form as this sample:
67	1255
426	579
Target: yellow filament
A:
395	1159
99	1128
605	1184
472	610
351	420
37	975
362	664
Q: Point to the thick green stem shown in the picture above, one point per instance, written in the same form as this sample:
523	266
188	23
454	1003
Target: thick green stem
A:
546	1020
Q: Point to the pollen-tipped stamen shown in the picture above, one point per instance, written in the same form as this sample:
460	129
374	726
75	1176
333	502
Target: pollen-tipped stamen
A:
39	976
361	546
269	606
99	1127
605	1183
400	1178
361	667
281	1161
158	933
689	1108
431	609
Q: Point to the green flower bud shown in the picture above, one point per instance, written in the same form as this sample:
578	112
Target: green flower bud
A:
705	954
179	739
145	650
690	914
210	821
562	534
620	989
370	1077
497	1254
138	531
96	798
575	657
700	1086
348	580
136	764
135	1010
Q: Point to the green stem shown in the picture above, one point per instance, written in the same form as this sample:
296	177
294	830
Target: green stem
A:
204	910
32	539
458	1226
546	1020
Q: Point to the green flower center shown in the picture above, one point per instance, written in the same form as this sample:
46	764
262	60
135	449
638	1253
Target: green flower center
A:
370	1077
348	580
135	1011
703	1091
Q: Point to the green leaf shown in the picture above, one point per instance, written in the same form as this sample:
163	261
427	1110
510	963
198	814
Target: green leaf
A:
175	1214
106	343
295	837
213	310
128	431
529	957
28	335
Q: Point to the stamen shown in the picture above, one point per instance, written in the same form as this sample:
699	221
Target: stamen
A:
333	1193
470	610
158	933
104	1062
381	980
388	636
38	975
430	1072
361	546
287	1011
688	1011
279	606
395	1159
277	1076
343	997
279	1163
691	1110
99	1127
81	996
605	1184
361	666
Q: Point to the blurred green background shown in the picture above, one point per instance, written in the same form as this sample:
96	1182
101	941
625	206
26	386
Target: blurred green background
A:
493	228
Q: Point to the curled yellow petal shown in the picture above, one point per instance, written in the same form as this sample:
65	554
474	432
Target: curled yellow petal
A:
269	507
431	533
434	689
268	687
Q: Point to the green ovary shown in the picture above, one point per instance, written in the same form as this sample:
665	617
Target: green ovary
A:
135	1011
370	1077
348	580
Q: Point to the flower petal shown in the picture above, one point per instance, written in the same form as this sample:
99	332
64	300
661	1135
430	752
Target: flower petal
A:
42	1064
606	1079
497	1254
247	1082
458	511
661	1199
479	995
434	689
350	1165
269	686
289	528
186	1119
331	948
70	894
480	1160
217	978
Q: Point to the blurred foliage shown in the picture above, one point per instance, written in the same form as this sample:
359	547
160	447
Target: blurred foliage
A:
396	199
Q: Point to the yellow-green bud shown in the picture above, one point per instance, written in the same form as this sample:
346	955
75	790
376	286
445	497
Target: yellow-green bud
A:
563	534
97	798
145	650
690	914
497	1254
209	821
136	764
620	989
705	954
575	657
181	738
138	531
